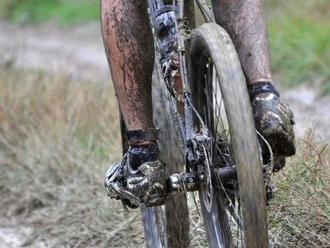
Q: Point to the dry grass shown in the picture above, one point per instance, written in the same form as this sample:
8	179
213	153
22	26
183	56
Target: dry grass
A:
56	137
300	212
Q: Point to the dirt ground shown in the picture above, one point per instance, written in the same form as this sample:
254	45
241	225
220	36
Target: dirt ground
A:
76	51
79	52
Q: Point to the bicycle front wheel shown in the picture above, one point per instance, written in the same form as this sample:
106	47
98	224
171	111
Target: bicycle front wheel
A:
234	211
167	226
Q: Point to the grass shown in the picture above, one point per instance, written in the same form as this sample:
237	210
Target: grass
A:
64	12
53	156
300	213
299	38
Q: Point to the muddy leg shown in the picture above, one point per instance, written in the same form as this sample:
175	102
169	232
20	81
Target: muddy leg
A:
244	21
129	47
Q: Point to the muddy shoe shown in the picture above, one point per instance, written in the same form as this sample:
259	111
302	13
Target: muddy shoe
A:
279	162
139	179
273	118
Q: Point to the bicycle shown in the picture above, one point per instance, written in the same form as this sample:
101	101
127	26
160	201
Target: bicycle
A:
210	111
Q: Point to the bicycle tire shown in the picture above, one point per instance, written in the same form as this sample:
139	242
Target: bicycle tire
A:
213	41
168	225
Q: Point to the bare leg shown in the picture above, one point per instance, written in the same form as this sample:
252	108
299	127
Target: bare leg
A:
244	21
129	47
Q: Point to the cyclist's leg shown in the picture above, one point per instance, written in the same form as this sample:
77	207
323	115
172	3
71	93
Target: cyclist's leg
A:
129	47
139	177
244	21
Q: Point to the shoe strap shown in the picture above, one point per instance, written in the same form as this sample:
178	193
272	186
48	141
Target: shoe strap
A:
256	89
166	8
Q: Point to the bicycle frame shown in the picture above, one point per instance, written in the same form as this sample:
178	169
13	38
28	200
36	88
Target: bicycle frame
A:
196	140
184	121
191	141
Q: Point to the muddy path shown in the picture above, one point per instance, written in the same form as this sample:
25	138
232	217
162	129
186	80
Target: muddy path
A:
311	110
79	53
75	51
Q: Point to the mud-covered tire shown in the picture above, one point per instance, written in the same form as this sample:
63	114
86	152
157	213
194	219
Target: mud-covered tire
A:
165	226
212	40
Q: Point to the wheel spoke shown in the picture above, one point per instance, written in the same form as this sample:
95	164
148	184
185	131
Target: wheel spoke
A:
215	118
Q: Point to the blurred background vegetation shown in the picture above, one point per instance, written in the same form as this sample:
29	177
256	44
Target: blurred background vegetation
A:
298	31
64	12
299	36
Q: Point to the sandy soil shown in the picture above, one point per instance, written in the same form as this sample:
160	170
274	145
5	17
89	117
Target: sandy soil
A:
79	52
